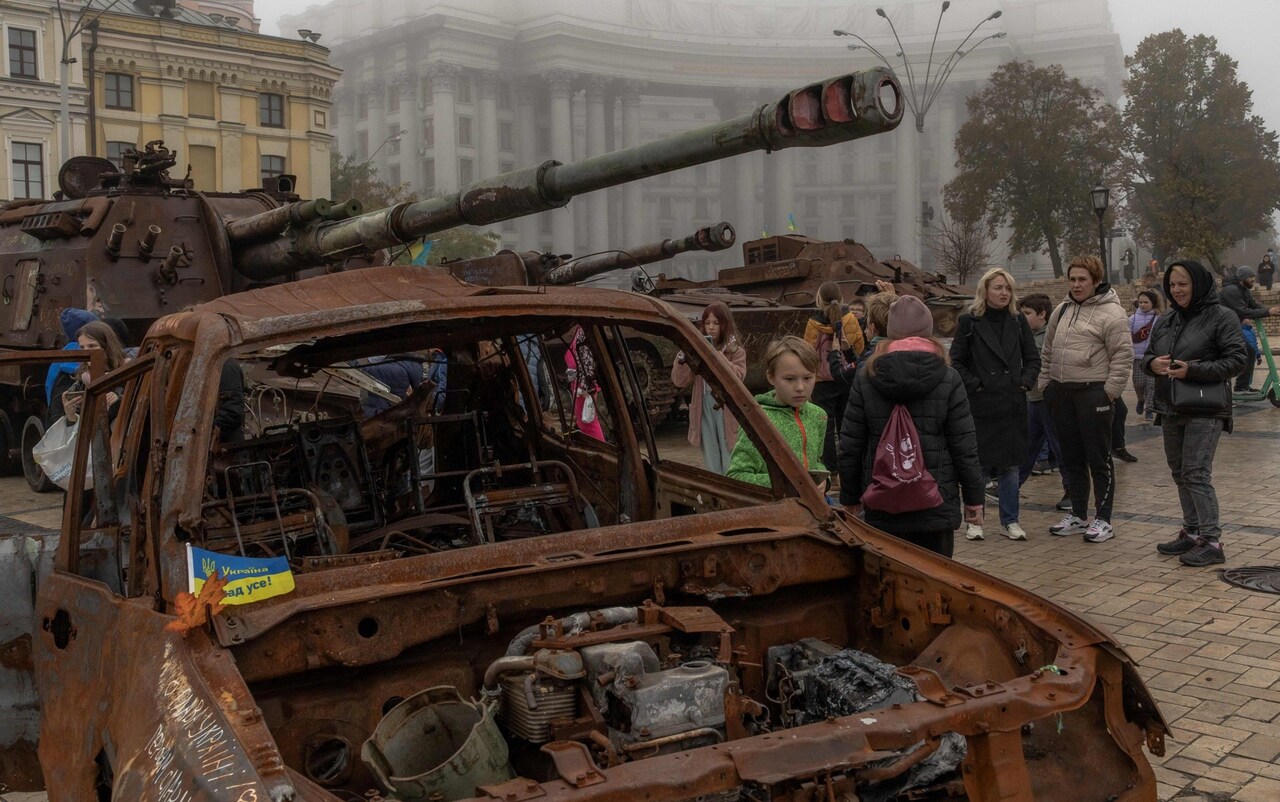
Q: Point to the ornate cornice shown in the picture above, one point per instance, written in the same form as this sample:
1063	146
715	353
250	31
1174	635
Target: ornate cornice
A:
561	82
444	76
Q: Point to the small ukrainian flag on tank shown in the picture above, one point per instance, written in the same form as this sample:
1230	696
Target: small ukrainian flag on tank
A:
249	579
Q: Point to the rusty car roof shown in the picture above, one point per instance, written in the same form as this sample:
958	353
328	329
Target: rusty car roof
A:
382	293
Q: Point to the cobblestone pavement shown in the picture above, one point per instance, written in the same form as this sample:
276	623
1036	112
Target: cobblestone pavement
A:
1208	651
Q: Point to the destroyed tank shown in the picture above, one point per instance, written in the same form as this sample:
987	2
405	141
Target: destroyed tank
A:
773	292
135	244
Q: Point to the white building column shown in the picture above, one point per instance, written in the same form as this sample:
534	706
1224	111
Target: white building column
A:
377	93
780	190
444	82
527	154
906	234
561	83
948	127
635	228
344	110
487	119
597	202
411	124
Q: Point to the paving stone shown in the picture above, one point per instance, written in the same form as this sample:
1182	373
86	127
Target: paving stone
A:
1259	747
1259	789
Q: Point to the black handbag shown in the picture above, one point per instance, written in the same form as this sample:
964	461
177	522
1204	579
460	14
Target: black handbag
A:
1189	397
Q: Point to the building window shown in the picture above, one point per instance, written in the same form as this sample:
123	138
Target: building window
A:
464	130
811	173
272	166
504	96
428	133
466	172
544	140
885	174
119	91
429	176
271	110
810	206
886	234
393	175
886	204
362	107
116	151
700	176
22	55
28	170
506	136
393	140
508	226
848	206
427	95
544	225
200	96
393	99
847	172
664	209
464	89
362	145
506	167
701	209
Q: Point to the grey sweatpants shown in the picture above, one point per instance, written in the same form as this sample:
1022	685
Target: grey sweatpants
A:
1189	446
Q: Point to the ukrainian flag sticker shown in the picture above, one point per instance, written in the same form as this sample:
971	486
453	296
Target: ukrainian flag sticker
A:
249	579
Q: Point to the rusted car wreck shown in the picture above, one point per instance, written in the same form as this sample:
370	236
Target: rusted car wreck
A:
533	613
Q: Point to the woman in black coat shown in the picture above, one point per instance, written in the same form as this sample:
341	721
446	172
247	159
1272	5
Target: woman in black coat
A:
1198	341
910	368
995	354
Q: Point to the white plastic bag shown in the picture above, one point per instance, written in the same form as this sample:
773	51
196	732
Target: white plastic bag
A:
56	452
588	410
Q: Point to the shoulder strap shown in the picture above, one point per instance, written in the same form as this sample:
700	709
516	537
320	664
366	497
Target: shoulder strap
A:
1062	310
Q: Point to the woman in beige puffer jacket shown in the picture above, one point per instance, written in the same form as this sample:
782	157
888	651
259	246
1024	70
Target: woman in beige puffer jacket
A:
1084	366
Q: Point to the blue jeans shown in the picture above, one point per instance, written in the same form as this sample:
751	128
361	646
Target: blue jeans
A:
1040	434
1008	484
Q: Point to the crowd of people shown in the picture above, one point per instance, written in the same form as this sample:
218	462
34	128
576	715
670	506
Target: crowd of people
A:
1027	386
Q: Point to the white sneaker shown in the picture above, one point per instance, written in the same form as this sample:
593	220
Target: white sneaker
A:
1015	532
974	532
1099	531
1069	525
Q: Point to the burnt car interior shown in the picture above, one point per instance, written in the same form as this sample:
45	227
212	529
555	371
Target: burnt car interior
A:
518	623
495	456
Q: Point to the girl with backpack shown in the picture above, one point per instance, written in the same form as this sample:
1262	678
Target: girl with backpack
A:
1141	323
836	335
710	427
994	351
909	369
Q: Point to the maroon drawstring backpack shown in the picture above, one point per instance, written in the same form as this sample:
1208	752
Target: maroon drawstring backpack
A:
899	480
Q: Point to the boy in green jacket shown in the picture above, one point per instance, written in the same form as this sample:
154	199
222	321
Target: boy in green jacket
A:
792	368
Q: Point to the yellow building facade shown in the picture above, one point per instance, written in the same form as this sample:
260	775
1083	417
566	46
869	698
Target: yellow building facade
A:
237	106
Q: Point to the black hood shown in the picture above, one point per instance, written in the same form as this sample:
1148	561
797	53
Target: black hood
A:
907	375
1203	291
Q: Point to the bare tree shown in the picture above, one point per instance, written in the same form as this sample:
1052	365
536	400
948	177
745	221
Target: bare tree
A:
962	248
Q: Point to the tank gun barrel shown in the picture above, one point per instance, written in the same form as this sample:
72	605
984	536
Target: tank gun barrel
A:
828	112
710	239
264	225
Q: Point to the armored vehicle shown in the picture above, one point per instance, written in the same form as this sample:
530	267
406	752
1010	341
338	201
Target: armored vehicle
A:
537	614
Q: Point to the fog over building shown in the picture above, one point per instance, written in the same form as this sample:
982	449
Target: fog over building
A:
479	87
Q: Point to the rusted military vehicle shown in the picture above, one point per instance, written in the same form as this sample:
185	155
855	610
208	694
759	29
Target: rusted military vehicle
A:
536	615
774	290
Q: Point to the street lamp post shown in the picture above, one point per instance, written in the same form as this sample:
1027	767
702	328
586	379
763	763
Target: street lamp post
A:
920	94
1100	196
393	138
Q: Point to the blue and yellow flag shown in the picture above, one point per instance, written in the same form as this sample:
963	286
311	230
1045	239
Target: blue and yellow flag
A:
249	579
791	222
419	251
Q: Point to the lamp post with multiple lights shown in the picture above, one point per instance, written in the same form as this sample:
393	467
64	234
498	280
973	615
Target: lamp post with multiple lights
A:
921	92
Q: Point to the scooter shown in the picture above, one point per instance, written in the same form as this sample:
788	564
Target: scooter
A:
1270	387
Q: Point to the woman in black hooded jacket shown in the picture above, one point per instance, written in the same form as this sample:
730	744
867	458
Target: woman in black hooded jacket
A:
1198	341
910	368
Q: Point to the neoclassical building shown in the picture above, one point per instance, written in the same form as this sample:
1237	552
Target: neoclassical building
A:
31	99
438	93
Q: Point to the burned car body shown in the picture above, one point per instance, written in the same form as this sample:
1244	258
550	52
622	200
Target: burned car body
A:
578	619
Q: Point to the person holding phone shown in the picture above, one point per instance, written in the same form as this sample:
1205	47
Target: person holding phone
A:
710	427
92	336
1200	341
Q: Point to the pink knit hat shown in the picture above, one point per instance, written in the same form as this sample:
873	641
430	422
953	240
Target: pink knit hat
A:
909	317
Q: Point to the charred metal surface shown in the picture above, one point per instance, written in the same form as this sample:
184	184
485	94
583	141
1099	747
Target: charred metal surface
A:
631	659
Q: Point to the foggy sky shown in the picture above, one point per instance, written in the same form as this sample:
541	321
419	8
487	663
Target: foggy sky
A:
1247	30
